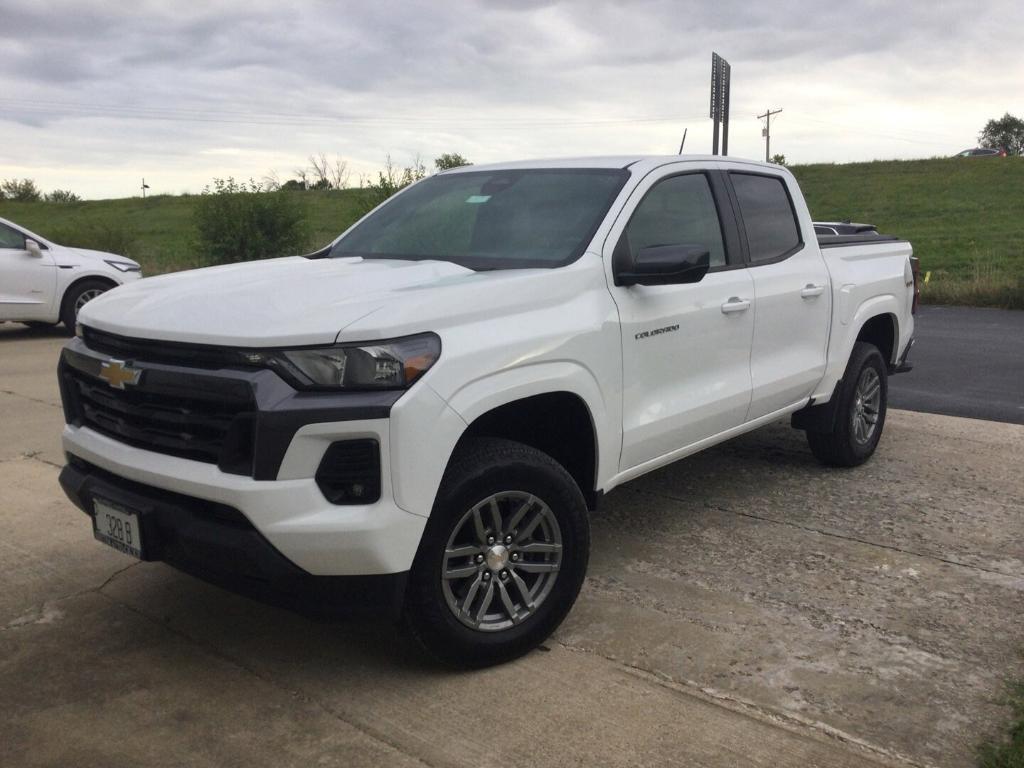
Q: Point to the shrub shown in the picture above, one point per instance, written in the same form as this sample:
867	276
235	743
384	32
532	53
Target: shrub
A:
62	196
450	160
389	181
20	190
239	222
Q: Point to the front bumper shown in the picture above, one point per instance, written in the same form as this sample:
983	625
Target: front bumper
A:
319	537
218	544
180	422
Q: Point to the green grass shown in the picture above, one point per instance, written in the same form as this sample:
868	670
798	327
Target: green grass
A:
1008	752
965	218
159	232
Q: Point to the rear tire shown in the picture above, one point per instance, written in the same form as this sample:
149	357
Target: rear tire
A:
860	411
76	297
503	556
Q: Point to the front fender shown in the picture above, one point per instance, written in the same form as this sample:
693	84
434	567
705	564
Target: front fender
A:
425	429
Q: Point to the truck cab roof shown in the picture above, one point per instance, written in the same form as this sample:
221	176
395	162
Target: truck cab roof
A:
632	162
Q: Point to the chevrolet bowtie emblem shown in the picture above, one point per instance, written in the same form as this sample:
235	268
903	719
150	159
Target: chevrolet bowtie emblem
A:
117	374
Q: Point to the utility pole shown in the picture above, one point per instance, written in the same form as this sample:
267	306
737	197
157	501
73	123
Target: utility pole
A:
145	186
767	131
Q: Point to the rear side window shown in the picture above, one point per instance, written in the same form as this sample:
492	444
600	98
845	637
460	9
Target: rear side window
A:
678	211
768	216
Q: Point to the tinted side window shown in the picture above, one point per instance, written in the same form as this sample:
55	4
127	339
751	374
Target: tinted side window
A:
678	211
768	216
9	238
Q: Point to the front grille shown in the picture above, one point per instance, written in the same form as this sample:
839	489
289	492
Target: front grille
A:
182	417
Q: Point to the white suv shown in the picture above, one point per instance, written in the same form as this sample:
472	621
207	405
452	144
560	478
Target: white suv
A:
43	283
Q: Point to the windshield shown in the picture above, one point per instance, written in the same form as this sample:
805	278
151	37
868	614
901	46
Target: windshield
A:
490	219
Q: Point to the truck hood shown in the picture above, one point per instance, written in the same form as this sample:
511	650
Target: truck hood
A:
300	301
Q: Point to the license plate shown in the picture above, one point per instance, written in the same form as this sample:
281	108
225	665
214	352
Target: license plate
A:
117	527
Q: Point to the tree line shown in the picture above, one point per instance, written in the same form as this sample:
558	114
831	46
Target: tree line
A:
26	191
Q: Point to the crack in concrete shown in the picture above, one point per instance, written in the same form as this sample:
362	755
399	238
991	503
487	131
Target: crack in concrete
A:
295	693
788	721
41	608
37	456
834	535
30	399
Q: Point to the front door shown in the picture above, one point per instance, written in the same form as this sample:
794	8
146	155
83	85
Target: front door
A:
27	282
685	348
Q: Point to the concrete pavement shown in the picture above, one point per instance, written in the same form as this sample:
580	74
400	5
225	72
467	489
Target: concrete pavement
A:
745	606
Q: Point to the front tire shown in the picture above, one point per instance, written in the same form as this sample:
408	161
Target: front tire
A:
860	411
503	556
77	296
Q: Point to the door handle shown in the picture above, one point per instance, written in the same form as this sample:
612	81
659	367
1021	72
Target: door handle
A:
811	290
735	304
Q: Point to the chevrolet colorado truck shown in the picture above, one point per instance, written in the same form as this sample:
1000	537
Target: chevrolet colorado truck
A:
419	417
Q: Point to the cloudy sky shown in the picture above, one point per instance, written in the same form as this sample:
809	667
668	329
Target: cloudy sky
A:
96	95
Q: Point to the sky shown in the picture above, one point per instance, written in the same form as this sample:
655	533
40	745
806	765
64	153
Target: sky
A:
94	96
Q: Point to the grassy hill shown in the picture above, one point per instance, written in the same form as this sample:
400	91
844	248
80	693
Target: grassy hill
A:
159	232
965	218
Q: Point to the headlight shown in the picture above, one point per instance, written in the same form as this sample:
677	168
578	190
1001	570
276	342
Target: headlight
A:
124	266
393	364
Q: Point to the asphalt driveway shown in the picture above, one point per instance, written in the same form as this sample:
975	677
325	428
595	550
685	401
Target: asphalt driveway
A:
967	362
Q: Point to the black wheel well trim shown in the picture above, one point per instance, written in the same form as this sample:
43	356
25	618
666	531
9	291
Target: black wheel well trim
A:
821	417
558	423
882	330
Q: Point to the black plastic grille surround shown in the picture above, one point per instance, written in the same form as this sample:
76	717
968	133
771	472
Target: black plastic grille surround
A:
198	402
186	421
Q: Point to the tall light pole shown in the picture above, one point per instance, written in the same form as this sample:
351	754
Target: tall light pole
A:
767	131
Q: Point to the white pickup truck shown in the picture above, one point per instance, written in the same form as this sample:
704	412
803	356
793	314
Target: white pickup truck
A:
419	416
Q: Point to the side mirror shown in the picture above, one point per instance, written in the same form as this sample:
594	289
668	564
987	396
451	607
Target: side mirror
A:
667	265
33	248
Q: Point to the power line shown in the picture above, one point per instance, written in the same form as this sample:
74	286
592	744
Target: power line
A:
240	117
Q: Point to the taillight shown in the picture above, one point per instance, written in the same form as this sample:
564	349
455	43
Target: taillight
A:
915	269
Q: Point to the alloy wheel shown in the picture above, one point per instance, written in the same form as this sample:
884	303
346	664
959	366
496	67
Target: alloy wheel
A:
501	561
867	404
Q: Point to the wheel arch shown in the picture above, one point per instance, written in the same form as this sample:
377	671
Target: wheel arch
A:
77	281
557	423
882	330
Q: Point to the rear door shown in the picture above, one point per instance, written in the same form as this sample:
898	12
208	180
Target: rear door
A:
686	348
27	282
791	288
